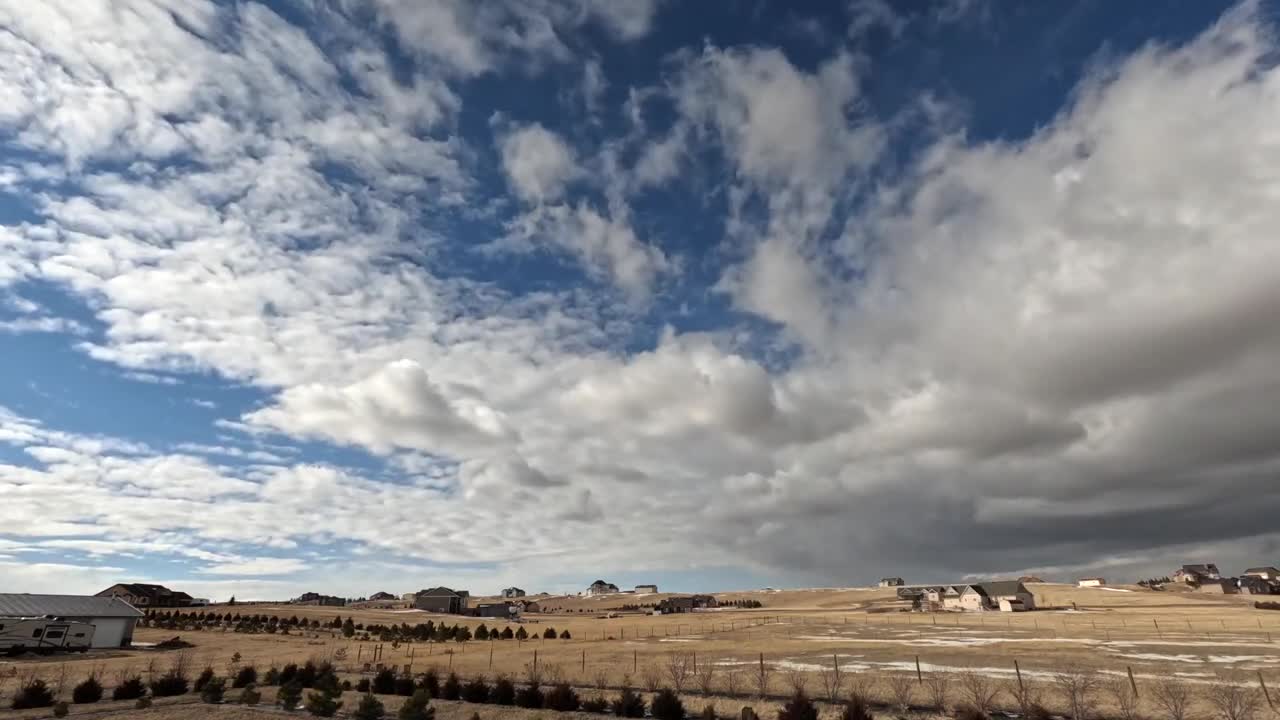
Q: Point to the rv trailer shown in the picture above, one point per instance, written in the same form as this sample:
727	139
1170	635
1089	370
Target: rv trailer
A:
43	635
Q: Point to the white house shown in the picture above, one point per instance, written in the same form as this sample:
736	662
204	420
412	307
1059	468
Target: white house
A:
1266	573
1091	582
646	588
1006	595
600	587
113	619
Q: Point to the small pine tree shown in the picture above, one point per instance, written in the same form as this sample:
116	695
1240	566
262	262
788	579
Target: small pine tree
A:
131	689
417	707
476	690
549	633
369	709
348	628
384	683
404	685
322	704
202	679
289	696
33	694
628	704
507	634
595	705
213	690
173	682
89	691
666	705
521	634
482	632
564	635
504	692
247	676
249	696
431	683
562	698
529	696
856	709
799	707
452	689
363	685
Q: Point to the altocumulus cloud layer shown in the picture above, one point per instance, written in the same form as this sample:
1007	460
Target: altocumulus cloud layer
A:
731	311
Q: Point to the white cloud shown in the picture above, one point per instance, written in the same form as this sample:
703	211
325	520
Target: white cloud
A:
257	566
537	162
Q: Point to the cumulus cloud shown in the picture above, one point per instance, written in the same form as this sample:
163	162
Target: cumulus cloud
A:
537	162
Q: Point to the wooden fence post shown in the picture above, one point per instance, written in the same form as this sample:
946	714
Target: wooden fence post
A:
1132	683
1018	671
919	675
1265	693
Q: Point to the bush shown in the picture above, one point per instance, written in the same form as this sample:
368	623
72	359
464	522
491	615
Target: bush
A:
504	692
369	708
289	696
142	703
363	685
404	685
247	676
60	709
384	683
322	704
173	682
476	690
666	705
452	689
529	696
287	674
430	683
271	677
968	712
562	698
130	689
628	704
595	705
202	679
89	691
213	690
417	707
799	707
249	696
856	709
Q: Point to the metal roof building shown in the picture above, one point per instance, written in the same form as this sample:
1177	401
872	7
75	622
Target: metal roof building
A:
113	619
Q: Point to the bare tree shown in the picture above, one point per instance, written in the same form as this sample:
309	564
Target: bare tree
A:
554	673
1125	699
601	679
1234	702
533	673
833	682
861	685
937	684
761	679
706	676
979	690
61	682
733	682
1079	687
903	687
1173	697
798	680
1025	695
679	666
652	677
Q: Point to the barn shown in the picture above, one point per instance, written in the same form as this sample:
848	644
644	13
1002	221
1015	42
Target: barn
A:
112	618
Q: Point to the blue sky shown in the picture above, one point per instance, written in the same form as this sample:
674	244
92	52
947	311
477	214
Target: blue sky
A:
359	296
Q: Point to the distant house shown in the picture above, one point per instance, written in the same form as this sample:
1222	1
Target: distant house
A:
1197	574
513	592
1265	573
1030	579
442	600
527	606
381	597
686	603
1254	585
314	598
1091	582
146	595
1006	595
646	589
493	610
600	587
409	597
892	582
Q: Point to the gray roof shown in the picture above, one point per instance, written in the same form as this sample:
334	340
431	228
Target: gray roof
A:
1003	587
24	605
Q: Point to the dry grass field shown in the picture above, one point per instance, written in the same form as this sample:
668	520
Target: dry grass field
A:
798	637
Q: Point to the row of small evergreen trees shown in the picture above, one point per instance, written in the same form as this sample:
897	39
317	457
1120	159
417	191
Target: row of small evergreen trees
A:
404	632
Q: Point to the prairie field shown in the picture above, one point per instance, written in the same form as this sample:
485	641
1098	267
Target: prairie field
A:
798	638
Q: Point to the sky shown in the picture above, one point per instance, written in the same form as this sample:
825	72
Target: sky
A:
352	296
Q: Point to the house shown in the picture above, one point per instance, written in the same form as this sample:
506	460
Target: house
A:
442	600
1254	585
409	597
200	602
1030	579
600	587
527	606
1196	574
112	618
1091	582
381	597
146	595
1219	586
1007	595
652	589
892	582
685	603
493	610
513	592
314	598
1265	573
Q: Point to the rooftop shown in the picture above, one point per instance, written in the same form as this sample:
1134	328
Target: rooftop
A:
26	605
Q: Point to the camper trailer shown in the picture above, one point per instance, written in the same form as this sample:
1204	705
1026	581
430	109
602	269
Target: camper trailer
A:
43	635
